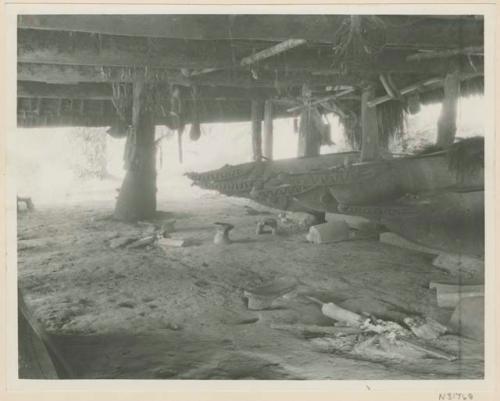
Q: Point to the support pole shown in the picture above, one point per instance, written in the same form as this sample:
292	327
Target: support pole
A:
137	198
257	129
309	133
447	123
309	127
369	126
353	129
268	130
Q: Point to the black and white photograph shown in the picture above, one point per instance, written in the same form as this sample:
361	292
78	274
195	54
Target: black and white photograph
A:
250	196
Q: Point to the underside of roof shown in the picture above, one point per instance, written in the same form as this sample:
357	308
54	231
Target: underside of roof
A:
77	70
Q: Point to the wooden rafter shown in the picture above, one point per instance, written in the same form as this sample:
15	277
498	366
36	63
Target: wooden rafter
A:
431	83
272	51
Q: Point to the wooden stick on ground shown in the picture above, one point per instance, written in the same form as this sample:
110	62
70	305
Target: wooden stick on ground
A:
315	329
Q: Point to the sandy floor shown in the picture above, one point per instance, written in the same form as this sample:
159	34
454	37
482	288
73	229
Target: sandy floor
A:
182	314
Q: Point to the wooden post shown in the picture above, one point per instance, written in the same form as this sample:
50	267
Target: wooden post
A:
257	129
309	133
309	127
447	123
179	145
268	130
137	198
369	126
353	130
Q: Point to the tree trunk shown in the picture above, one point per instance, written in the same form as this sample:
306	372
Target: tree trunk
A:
257	129
268	130
447	123
137	198
369	126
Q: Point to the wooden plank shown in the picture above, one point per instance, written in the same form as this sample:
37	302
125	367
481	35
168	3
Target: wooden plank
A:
369	124
400	30
447	123
268	130
256	116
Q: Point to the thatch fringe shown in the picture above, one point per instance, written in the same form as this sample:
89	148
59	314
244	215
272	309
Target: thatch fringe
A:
470	87
392	115
352	132
466	157
391	121
391	124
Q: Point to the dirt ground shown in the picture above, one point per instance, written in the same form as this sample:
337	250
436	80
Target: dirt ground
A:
181	313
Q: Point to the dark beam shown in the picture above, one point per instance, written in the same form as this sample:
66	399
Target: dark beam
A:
160	54
67	74
104	91
60	91
400	30
44	112
279	82
78	48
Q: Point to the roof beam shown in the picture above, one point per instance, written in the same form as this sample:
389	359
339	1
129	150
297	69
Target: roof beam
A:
67	74
169	56
58	91
104	91
57	47
101	113
423	30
